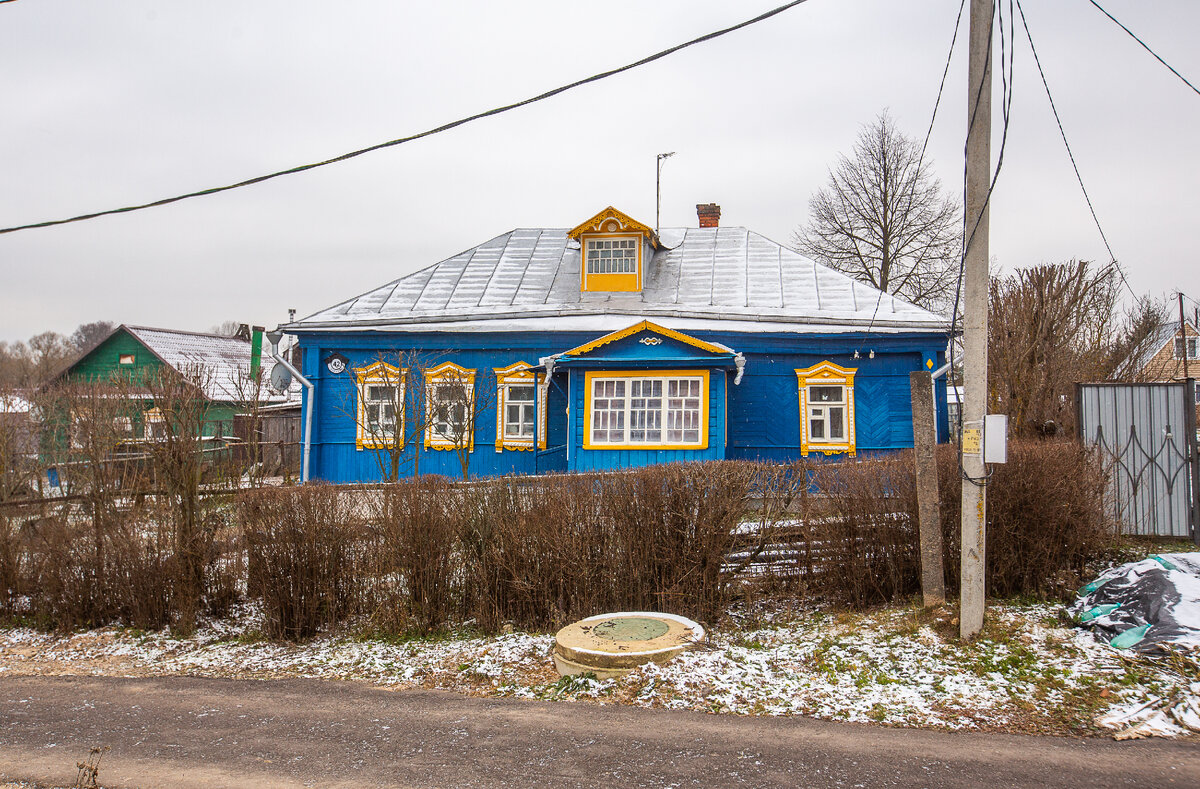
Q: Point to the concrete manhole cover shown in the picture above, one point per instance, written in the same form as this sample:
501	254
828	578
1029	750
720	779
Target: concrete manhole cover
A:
613	644
631	628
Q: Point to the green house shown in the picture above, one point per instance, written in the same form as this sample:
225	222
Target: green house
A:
227	367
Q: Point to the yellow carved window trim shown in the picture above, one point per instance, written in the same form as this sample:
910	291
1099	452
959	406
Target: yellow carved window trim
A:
378	374
519	374
826	374
448	374
626	378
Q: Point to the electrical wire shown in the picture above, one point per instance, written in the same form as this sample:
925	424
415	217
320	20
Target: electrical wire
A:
1006	79
928	132
1070	154
1146	47
428	133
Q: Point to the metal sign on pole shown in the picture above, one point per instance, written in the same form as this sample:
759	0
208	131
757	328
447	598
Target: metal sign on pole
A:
975	309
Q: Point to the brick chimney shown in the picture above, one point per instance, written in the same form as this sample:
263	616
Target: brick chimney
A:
709	213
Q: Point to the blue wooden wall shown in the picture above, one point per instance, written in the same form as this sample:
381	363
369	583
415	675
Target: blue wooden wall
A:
758	419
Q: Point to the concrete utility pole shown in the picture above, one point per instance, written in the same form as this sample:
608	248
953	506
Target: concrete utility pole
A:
929	519
975	315
1183	334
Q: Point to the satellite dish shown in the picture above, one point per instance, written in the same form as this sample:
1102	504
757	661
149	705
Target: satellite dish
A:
281	378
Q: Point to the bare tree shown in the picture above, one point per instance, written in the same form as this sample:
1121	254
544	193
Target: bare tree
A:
88	335
227	328
882	220
388	408
178	458
1051	326
250	390
454	401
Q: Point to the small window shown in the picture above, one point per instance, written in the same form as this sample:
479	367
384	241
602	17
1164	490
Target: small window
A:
450	407
380	407
1191	347
520	411
612	255
826	414
826	409
125	358
520	408
660	411
153	424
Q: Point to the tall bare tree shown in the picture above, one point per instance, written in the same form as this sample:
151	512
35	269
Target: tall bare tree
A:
882	219
1053	325
388	406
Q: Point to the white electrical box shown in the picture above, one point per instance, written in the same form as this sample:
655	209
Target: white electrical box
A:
995	438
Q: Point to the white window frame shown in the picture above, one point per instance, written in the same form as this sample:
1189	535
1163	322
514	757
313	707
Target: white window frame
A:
379	374
445	376
519	374
665	377
597	244
826	374
1192	345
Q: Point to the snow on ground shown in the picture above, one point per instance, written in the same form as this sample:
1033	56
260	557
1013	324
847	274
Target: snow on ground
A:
896	666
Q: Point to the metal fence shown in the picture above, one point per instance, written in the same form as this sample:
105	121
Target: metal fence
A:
1147	433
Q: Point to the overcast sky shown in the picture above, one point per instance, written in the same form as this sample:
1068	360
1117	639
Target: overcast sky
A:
111	103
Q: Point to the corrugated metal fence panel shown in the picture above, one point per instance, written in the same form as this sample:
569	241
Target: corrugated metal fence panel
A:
1141	429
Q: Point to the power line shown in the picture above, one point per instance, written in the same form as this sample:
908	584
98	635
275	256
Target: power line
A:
921	158
1112	257
1006	78
437	130
1145	46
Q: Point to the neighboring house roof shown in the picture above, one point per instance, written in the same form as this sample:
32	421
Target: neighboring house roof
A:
698	278
225	361
1154	344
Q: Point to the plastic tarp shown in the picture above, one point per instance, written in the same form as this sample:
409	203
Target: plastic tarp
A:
1142	605
1149	606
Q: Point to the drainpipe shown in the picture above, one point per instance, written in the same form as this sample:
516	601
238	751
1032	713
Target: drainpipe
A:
739	361
275	337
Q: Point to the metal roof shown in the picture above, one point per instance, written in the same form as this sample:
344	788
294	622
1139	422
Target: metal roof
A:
1153	344
224	361
724	277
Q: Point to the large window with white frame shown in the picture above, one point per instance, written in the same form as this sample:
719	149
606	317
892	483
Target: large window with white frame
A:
826	409
1191	346
652	410
380	406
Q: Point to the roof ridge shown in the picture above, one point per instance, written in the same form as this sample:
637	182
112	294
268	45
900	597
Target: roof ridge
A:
211	335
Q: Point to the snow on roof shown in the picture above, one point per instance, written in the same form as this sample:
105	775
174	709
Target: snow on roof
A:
1168	332
224	361
725	277
13	403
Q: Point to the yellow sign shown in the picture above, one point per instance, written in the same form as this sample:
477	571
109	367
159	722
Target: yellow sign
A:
971	440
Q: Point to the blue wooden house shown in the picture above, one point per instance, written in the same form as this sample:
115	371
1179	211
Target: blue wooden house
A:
610	345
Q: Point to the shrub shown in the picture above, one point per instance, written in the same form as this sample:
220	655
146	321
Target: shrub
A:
864	527
1046	518
306	552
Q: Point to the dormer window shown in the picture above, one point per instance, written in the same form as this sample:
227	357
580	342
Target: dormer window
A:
612	255
614	248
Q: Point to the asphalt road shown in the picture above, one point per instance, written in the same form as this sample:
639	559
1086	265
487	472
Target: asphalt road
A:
188	732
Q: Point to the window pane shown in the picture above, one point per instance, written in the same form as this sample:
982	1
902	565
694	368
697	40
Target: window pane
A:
837	422
816	423
825	394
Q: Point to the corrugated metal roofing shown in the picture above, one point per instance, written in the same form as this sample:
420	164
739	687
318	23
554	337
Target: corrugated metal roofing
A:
700	277
224	361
